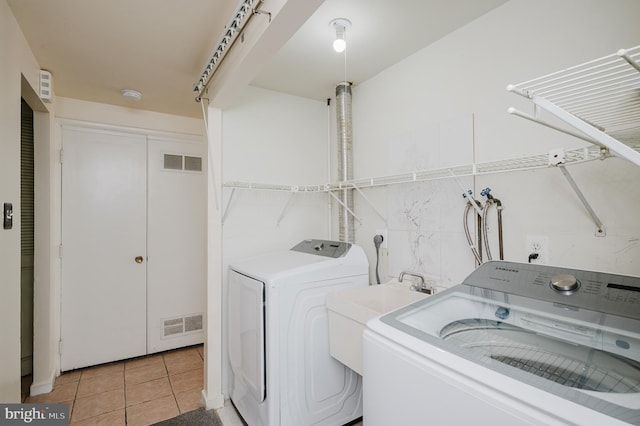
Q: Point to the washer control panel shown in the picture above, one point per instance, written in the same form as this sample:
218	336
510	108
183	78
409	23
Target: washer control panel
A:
597	291
333	249
565	283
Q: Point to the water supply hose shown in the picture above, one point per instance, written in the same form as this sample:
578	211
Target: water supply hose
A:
479	231
467	233
491	200
500	241
484	228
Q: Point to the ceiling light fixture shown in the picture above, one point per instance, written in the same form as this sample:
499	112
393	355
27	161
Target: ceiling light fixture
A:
131	95
340	25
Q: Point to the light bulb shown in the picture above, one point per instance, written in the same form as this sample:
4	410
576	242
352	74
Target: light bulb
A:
340	25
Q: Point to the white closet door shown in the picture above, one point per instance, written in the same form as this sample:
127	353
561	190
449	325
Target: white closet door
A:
103	312
177	245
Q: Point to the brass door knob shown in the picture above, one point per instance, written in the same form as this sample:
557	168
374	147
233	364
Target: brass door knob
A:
139	259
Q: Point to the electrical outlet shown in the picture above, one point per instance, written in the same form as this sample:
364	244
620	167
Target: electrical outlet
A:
384	234
537	245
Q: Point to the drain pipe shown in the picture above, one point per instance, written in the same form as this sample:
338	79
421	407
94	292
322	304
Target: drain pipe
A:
329	170
346	222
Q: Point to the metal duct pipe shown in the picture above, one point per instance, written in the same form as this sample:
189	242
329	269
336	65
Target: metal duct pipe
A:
346	222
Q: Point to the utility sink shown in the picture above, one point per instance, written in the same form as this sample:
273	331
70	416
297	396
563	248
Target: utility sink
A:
349	311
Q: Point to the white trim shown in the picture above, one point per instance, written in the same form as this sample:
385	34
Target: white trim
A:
214	402
67	123
44	386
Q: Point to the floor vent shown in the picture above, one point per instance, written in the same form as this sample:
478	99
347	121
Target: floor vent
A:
173	327
193	323
182	325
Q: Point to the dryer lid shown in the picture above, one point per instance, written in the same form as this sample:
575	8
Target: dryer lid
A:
333	249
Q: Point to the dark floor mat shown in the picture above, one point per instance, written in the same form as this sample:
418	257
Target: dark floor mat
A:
199	417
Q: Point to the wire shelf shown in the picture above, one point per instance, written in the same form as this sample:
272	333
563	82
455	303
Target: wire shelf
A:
596	97
536	161
601	98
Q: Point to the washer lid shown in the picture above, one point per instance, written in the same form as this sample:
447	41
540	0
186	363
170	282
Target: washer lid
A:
571	365
590	357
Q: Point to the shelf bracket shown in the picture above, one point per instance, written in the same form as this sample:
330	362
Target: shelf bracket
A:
600	231
598	136
335	197
284	209
535	119
370	204
226	209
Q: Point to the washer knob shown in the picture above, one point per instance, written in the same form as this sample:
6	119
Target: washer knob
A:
564	283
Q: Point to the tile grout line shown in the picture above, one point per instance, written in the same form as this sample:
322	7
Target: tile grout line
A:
162	356
164	361
75	397
124	383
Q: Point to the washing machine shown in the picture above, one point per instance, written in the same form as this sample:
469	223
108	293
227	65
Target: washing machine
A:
278	333
515	344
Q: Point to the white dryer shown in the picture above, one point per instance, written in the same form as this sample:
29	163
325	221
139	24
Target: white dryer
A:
515	344
278	332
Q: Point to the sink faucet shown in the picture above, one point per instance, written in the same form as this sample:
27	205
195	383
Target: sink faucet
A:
421	286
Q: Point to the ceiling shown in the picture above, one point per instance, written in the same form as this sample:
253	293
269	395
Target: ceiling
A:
96	48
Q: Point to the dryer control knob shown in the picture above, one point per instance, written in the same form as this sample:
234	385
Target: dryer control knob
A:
564	283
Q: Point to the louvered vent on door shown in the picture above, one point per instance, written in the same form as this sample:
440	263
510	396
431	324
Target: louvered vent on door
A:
193	164
173	327
27	182
183	325
193	323
173	162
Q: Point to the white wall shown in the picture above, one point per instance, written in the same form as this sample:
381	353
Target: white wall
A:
279	139
271	137
447	105
16	60
213	388
75	109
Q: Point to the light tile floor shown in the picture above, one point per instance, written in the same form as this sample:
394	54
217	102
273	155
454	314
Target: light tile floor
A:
135	392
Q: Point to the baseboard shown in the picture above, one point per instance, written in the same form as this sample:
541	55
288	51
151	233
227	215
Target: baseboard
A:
44	386
212	402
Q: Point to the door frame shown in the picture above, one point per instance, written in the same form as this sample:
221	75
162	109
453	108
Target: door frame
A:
45	263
